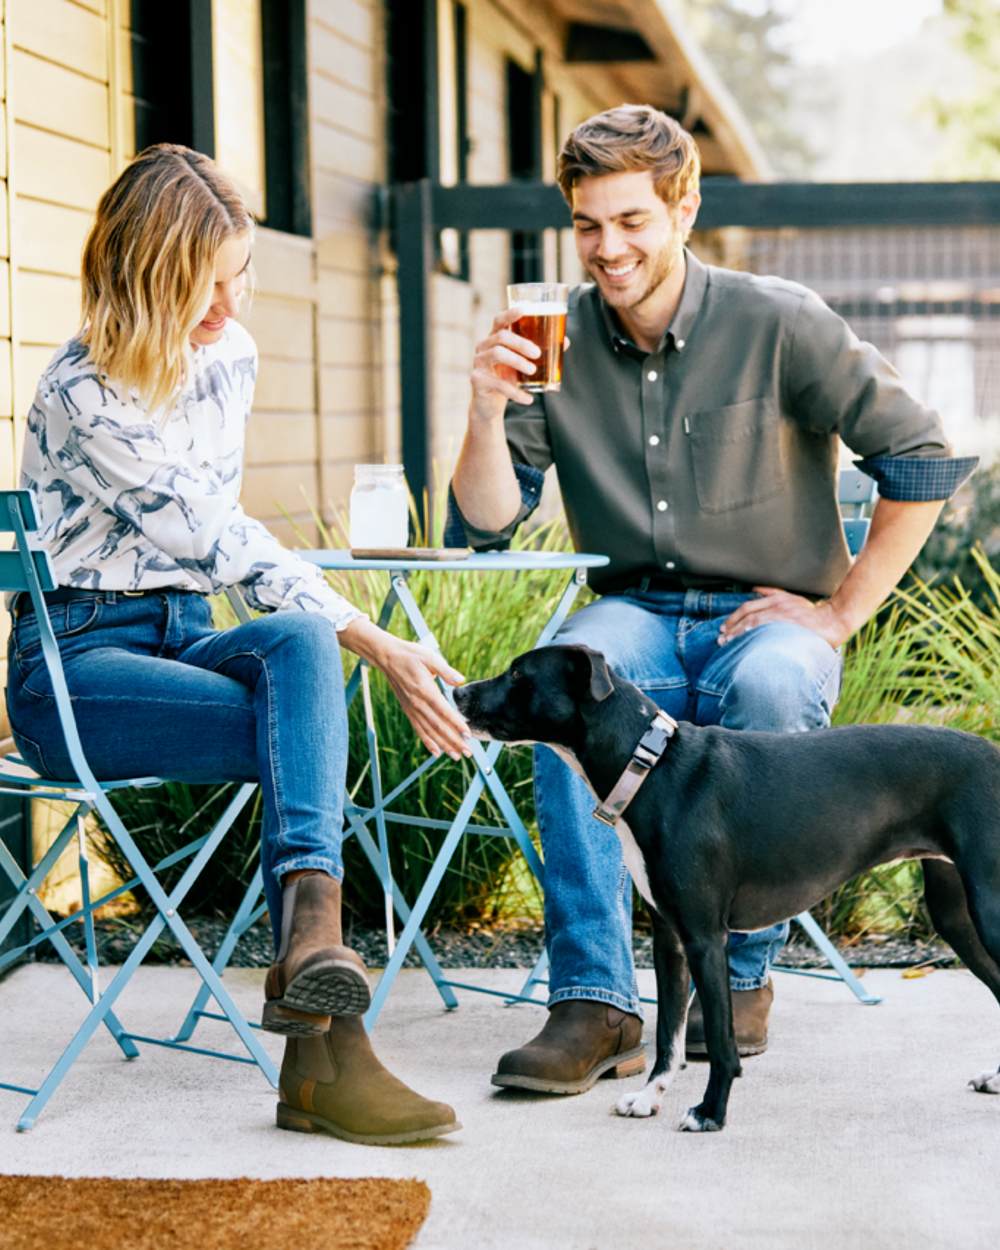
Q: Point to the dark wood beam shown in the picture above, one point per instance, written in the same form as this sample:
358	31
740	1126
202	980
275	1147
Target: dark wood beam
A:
598	45
416	234
729	202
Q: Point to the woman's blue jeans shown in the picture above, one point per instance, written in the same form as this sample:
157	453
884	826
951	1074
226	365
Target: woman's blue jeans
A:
778	676
157	691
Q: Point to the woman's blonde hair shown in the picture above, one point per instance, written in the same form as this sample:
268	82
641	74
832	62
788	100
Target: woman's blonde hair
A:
149	266
628	138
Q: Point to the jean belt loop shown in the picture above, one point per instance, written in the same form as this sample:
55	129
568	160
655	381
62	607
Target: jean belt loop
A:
644	585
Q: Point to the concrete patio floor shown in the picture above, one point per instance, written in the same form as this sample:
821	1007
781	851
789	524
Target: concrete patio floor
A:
855	1130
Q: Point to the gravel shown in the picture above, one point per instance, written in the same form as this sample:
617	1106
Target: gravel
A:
508	945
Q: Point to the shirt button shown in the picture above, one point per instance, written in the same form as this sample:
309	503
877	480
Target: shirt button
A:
654	440
670	565
662	506
680	345
652	375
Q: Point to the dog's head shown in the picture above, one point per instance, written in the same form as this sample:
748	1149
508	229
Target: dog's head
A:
542	697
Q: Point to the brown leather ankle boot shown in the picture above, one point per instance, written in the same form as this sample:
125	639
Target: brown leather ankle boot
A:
314	975
581	1041
750	1012
335	1084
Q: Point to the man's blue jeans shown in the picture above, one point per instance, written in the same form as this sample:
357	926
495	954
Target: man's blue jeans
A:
157	691
778	676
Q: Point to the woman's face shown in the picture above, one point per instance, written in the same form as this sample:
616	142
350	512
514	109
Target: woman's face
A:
231	263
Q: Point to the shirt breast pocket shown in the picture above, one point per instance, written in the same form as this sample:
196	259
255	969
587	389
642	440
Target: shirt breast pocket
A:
736	455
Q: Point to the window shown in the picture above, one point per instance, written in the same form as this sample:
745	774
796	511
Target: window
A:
524	160
228	77
427	42
454	126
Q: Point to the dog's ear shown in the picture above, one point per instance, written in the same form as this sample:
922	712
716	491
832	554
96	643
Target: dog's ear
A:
594	669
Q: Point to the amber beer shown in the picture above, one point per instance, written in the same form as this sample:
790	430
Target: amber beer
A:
541	308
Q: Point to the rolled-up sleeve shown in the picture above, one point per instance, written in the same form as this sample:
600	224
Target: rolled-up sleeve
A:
922	480
835	383
531	454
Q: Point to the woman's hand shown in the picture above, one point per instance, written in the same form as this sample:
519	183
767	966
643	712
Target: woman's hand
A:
410	669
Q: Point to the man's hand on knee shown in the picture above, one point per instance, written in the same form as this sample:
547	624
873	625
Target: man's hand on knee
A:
775	604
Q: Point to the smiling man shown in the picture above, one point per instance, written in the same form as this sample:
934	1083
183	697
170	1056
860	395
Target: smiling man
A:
696	442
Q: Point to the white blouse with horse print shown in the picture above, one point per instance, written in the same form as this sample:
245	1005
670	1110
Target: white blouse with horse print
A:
127	500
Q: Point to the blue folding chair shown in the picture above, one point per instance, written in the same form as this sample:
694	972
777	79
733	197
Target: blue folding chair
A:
856	494
27	568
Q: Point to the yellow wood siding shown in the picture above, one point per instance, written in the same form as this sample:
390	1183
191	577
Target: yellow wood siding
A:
346	84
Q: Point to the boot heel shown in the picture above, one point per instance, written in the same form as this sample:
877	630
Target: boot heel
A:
629	1067
289	1118
286	1021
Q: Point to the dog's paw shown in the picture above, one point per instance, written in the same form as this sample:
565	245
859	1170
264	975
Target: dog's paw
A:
695	1122
986	1083
645	1102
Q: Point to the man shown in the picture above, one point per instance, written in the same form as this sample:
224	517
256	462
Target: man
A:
696	442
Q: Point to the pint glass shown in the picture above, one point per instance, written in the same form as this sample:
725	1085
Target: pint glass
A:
542	319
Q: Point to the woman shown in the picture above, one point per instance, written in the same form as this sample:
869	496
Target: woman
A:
133	458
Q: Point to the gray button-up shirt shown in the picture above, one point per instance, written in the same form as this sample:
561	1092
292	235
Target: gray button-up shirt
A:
713	459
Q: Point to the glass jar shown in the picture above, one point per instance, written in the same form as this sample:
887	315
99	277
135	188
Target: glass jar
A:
380	509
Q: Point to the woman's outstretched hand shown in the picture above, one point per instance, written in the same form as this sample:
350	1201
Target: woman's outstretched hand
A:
411	669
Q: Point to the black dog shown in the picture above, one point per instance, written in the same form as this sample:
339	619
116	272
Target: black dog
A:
738	830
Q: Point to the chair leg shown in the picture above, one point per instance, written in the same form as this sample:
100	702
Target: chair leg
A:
834	958
61	946
416	917
427	956
166	906
90	937
246	915
537	976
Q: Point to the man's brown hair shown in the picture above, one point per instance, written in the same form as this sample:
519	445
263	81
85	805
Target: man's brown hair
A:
628	138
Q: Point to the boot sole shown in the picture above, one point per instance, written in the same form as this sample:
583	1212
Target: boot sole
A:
630	1063
333	988
745	1051
297	1121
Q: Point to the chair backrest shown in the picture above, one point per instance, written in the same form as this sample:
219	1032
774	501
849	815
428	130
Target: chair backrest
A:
28	568
856	493
18	570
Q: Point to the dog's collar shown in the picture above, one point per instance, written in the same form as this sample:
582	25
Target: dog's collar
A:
650	747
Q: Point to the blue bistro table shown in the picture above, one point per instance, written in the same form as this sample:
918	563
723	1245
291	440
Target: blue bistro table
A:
380	812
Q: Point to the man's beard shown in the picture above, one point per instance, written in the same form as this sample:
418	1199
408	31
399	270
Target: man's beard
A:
661	266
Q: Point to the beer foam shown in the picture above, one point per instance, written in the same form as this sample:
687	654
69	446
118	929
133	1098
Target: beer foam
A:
540	309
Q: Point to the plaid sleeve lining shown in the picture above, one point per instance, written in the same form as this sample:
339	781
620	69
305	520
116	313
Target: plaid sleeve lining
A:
918	479
459	533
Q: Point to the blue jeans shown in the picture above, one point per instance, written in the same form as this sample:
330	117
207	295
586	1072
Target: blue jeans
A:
157	691
779	677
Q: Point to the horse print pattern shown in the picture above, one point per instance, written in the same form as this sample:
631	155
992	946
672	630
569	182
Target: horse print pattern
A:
133	500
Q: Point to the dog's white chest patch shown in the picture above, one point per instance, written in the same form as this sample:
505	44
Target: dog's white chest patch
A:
635	862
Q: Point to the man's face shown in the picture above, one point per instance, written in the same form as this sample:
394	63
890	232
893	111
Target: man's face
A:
629	240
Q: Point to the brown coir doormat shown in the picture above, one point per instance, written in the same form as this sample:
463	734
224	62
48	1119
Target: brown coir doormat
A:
55	1213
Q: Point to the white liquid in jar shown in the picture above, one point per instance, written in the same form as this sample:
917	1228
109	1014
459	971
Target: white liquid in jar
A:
378	516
